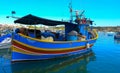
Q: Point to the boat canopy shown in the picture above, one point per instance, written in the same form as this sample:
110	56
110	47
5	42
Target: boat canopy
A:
34	20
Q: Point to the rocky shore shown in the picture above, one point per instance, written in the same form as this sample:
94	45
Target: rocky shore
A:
108	28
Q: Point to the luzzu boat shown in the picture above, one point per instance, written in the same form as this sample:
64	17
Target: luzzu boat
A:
30	44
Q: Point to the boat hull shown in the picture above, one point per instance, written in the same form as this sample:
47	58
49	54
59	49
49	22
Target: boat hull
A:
5	45
25	48
117	37
24	52
5	41
25	57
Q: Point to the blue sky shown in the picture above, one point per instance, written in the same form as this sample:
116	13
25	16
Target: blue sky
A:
103	12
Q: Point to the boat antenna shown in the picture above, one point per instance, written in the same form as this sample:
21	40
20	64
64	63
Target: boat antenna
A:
71	10
81	14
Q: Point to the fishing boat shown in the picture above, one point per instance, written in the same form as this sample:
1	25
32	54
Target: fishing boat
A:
33	44
110	33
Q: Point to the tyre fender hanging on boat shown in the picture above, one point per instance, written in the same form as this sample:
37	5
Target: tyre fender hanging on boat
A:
87	45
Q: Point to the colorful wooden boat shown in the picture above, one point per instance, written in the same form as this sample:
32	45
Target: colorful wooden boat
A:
29	45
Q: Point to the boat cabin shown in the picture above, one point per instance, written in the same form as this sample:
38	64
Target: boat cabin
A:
73	31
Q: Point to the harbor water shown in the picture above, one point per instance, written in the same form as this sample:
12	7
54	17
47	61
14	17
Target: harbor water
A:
102	58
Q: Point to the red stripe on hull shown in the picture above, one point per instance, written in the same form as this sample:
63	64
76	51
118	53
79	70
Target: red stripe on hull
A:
46	51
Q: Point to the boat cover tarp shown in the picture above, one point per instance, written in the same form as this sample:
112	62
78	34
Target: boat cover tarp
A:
34	20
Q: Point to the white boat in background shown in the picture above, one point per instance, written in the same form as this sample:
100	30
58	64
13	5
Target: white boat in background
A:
5	45
5	41
110	33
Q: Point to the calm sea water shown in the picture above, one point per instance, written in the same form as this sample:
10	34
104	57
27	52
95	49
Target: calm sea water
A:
103	58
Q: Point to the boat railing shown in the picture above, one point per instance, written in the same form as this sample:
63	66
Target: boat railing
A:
22	37
94	34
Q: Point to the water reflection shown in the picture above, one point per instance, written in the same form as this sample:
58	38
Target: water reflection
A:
117	41
5	64
71	64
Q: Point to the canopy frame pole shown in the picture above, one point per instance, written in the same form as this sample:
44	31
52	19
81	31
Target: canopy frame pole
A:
35	31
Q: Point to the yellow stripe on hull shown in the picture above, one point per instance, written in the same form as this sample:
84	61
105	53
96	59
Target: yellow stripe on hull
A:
26	49
16	49
45	49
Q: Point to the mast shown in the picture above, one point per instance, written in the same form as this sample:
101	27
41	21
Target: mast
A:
71	10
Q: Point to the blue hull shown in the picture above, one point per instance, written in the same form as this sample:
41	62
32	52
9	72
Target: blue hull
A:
24	57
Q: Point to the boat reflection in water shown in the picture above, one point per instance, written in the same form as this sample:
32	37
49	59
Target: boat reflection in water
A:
117	41
71	64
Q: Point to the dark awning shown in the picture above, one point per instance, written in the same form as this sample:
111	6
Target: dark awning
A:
34	20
